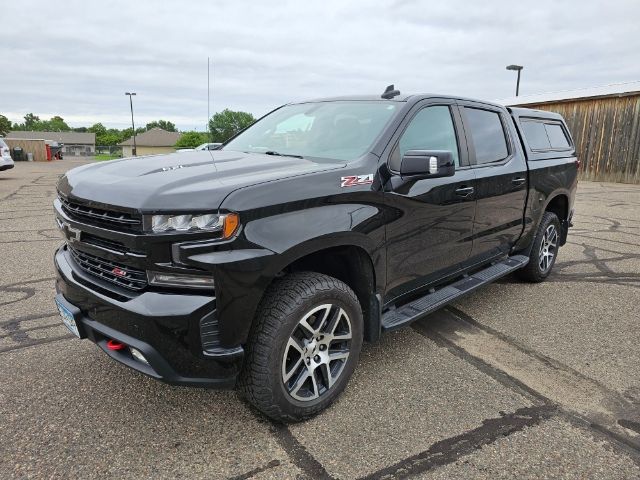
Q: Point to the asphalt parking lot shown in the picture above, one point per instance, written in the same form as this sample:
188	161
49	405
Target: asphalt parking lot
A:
514	381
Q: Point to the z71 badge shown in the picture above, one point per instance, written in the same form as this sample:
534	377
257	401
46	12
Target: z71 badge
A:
353	180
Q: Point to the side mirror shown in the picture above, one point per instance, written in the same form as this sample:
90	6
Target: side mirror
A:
427	164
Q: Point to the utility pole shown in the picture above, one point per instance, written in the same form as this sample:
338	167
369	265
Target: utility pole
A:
208	100
133	126
518	68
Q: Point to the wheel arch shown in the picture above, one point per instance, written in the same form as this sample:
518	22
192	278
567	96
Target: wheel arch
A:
559	205
354	266
343	258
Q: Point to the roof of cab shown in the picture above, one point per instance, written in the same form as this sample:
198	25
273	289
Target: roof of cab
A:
412	98
357	98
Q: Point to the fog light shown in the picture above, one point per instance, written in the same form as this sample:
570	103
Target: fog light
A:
137	354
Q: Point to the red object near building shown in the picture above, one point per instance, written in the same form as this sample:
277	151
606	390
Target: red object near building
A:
48	147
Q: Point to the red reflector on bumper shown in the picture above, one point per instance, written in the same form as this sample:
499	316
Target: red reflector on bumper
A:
115	345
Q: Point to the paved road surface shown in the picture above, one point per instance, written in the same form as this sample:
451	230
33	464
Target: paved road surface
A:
514	381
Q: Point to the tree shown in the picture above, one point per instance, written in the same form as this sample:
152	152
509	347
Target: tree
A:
108	138
30	121
97	128
191	139
227	123
5	125
34	124
56	124
163	124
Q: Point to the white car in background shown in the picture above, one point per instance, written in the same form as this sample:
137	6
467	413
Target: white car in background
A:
6	162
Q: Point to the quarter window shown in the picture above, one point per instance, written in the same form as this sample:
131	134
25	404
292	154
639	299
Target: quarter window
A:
556	135
488	135
536	135
431	129
543	136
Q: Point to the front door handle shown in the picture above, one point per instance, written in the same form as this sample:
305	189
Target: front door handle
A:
518	181
464	191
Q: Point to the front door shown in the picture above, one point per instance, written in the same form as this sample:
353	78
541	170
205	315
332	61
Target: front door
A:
432	233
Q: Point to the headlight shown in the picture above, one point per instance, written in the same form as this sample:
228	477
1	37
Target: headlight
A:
211	222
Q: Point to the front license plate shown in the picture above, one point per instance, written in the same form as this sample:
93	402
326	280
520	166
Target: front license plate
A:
67	319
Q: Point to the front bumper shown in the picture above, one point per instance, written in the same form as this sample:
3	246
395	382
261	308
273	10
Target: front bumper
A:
164	326
6	163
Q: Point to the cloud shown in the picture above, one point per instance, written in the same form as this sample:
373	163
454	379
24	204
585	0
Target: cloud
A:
77	58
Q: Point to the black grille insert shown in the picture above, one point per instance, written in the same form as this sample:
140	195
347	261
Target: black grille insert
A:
101	216
123	275
103	242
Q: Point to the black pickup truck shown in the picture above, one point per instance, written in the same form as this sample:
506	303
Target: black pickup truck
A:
265	265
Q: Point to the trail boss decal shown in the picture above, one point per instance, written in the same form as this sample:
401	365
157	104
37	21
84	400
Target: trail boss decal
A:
353	180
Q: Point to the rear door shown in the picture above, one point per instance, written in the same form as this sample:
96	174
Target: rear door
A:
432	233
500	169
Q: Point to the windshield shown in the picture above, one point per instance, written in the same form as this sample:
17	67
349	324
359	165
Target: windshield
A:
342	130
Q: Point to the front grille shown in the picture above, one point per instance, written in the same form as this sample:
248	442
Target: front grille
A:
104	242
101	217
122	275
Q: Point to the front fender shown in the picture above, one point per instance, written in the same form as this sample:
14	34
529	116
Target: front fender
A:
268	245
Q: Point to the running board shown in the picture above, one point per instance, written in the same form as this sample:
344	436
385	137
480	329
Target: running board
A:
399	317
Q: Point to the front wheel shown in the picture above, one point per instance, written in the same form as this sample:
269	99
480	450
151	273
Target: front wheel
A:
303	347
545	250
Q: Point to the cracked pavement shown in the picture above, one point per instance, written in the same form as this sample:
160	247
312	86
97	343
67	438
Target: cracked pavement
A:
514	381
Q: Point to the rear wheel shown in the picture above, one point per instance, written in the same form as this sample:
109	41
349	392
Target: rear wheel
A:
545	250
303	347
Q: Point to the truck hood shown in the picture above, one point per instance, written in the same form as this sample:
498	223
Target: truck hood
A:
198	180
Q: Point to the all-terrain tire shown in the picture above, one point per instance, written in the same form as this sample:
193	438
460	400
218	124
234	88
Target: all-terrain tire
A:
534	271
284	305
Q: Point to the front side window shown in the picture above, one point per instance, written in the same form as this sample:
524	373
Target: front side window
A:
488	135
431	129
341	130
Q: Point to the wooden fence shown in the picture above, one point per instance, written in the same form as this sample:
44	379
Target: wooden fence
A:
36	147
606	132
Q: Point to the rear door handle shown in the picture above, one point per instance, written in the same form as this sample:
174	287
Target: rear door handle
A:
518	181
464	191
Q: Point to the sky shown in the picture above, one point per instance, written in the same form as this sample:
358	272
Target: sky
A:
76	59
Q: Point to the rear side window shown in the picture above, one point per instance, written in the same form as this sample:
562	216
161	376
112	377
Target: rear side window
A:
545	135
488	135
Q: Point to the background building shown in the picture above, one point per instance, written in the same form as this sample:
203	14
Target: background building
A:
75	143
605	125
151	142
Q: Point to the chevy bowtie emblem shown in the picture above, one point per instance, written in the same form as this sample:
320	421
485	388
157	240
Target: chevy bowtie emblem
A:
118	272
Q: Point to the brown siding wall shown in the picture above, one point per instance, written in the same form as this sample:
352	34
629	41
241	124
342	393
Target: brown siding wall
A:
606	132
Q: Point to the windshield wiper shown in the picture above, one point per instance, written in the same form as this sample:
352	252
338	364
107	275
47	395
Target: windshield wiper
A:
278	154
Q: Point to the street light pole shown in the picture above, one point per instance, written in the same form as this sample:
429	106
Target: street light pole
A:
518	68
208	100
133	126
